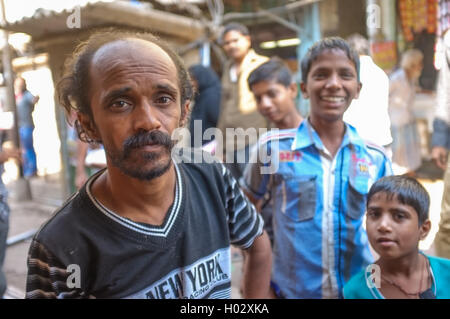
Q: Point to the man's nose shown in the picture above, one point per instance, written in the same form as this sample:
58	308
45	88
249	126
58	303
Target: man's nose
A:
146	117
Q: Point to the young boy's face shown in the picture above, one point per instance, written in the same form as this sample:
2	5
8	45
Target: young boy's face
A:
274	100
392	227
332	83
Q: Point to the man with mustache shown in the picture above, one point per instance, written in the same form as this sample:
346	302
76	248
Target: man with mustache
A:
152	224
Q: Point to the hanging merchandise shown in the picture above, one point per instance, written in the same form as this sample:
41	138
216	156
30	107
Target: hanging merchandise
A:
384	54
432	16
417	16
443	24
443	15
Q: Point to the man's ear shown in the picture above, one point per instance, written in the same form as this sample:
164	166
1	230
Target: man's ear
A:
88	126
425	229
185	116
304	92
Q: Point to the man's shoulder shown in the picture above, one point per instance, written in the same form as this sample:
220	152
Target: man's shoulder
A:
64	222
28	96
197	161
254	59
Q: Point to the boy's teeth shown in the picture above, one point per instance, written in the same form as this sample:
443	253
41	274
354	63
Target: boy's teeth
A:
333	99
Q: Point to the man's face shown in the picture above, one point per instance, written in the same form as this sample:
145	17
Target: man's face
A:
236	45
135	102
19	85
392	227
331	86
274	100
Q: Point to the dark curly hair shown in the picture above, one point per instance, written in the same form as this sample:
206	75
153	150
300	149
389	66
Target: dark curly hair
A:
331	43
407	190
73	88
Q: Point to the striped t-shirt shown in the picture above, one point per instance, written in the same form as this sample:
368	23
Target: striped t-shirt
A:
188	256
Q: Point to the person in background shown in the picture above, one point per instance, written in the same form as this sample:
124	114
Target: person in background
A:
206	107
84	158
275	91
440	145
397	219
90	159
5	155
238	106
406	155
25	102
369	112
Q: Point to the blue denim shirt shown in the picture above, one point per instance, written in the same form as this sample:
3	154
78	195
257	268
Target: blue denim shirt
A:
318	207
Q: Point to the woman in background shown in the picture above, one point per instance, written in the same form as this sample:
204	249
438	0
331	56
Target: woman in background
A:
207	101
406	156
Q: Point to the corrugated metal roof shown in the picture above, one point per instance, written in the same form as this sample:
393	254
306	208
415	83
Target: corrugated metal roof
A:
44	23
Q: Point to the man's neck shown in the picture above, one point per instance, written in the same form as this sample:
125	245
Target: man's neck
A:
138	200
331	133
237	63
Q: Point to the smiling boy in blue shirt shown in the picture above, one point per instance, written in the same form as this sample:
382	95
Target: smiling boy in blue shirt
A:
324	173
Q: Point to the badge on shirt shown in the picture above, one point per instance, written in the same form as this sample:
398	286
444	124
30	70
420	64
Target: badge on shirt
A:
360	174
290	156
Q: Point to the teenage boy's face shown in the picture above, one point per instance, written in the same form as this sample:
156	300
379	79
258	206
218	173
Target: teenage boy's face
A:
332	84
274	100
392	227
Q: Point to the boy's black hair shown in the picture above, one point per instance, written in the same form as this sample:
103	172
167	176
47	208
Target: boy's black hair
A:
407	190
234	26
332	43
273	70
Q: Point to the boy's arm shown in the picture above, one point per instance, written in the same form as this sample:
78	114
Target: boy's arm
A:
255	183
257	268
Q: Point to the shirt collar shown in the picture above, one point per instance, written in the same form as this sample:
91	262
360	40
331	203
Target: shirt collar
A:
249	57
307	136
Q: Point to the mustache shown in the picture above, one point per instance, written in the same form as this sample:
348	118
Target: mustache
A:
148	138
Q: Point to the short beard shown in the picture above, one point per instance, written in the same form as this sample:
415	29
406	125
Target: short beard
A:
121	159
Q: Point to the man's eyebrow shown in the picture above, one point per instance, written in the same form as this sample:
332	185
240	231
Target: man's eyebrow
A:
116	93
167	87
